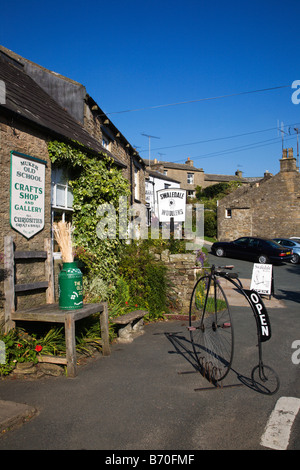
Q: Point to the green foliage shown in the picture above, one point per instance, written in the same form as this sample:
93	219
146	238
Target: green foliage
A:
210	223
145	278
218	190
209	197
97	180
160	244
27	346
157	284
96	290
22	347
122	294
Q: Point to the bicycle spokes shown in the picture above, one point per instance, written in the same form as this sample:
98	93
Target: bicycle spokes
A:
211	329
265	379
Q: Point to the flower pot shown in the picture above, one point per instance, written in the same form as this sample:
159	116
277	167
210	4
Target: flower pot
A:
70	287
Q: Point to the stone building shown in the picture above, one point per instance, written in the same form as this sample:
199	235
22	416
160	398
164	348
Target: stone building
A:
29	119
72	96
190	177
187	174
267	208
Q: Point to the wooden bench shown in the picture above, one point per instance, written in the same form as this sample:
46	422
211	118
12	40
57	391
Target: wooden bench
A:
131	325
49	312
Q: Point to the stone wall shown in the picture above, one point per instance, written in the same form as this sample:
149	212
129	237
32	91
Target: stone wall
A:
181	278
18	137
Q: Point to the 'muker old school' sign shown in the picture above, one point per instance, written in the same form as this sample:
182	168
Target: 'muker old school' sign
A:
27	194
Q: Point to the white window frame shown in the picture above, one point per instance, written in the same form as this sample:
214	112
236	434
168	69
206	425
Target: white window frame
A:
106	142
228	213
59	180
190	178
136	183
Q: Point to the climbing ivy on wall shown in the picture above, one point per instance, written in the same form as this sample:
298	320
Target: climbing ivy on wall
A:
96	180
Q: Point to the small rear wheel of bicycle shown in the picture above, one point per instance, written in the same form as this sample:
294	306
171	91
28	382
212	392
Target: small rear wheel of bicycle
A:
265	380
211	329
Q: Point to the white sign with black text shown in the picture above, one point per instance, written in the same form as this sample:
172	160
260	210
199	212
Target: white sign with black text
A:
171	204
27	194
261	280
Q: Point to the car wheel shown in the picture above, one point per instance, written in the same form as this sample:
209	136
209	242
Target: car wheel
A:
220	252
263	259
295	258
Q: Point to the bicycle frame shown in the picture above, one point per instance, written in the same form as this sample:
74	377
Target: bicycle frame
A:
258	308
264	378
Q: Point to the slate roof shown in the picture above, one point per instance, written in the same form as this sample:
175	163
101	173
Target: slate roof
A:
26	99
157	174
226	178
174	166
222	178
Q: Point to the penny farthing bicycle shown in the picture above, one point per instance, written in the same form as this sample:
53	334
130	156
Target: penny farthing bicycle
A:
212	333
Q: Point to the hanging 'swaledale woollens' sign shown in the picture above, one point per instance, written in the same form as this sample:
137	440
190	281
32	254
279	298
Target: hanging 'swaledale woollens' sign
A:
27	194
171	204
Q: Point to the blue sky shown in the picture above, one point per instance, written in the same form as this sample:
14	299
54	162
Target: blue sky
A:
141	54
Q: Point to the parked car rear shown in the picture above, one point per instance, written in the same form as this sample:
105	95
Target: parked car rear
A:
262	250
292	244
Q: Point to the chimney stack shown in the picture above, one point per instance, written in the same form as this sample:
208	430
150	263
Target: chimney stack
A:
288	162
189	162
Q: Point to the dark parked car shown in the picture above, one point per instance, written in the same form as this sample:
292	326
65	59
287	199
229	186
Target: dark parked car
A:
292	244
260	250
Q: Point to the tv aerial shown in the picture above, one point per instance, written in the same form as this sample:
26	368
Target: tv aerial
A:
150	137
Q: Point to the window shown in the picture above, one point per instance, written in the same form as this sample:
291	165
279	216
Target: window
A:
190	178
136	184
61	201
228	213
62	194
105	142
167	185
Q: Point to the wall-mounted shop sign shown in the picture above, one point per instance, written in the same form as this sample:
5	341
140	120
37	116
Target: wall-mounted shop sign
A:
171	204
27	194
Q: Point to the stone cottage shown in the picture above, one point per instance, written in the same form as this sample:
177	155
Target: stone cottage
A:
190	176
73	97
268	208
29	119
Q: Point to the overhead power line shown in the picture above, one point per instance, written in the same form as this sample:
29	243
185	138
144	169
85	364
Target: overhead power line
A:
199	100
254	145
215	139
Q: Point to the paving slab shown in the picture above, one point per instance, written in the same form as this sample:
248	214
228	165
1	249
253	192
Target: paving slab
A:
13	414
235	298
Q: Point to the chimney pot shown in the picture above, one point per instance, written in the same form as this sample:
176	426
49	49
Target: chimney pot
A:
189	162
291	153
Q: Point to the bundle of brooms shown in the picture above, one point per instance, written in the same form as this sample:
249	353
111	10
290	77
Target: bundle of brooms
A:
63	235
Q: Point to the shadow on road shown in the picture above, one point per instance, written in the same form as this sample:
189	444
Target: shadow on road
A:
183	346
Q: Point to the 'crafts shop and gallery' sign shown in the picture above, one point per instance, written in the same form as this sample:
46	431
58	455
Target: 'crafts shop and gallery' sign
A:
27	194
171	204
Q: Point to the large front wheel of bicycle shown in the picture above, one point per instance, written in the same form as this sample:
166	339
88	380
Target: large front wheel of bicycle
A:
211	329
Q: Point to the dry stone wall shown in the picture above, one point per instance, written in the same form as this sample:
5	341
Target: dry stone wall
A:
181	277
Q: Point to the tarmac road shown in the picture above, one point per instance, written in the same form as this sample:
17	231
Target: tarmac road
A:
137	399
